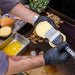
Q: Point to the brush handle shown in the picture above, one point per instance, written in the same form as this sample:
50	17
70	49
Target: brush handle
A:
70	51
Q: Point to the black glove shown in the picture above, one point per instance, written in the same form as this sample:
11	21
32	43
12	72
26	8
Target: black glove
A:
44	18
56	55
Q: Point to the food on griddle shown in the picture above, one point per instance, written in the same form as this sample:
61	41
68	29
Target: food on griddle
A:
42	28
34	36
7	22
33	41
55	18
5	31
41	52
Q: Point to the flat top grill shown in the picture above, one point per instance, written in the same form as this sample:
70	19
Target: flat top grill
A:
67	28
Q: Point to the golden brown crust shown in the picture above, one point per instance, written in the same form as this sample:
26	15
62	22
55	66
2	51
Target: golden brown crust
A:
0	21
5	31
7	22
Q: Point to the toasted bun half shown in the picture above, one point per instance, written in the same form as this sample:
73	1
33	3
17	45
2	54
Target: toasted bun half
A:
42	28
5	31
7	22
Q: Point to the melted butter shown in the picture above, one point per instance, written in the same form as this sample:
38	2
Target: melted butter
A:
13	48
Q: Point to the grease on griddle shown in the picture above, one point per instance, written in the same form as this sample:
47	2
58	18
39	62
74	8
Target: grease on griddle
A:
35	38
55	18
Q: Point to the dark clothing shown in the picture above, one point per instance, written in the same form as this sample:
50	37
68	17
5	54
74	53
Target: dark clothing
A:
3	63
7	5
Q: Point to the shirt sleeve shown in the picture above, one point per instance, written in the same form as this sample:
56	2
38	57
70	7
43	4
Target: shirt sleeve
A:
7	5
3	63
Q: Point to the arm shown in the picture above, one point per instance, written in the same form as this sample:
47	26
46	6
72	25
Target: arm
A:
19	64
55	55
28	15
23	12
14	7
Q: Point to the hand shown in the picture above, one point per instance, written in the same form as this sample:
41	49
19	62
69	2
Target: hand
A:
43	18
56	55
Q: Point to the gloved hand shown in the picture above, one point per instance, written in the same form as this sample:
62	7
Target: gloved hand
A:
44	18
56	55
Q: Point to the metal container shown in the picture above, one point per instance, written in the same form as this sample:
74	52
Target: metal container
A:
18	37
17	26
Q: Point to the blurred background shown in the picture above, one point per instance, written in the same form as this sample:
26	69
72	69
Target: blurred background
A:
66	7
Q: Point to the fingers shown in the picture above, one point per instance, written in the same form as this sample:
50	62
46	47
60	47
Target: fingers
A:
62	46
52	23
64	56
